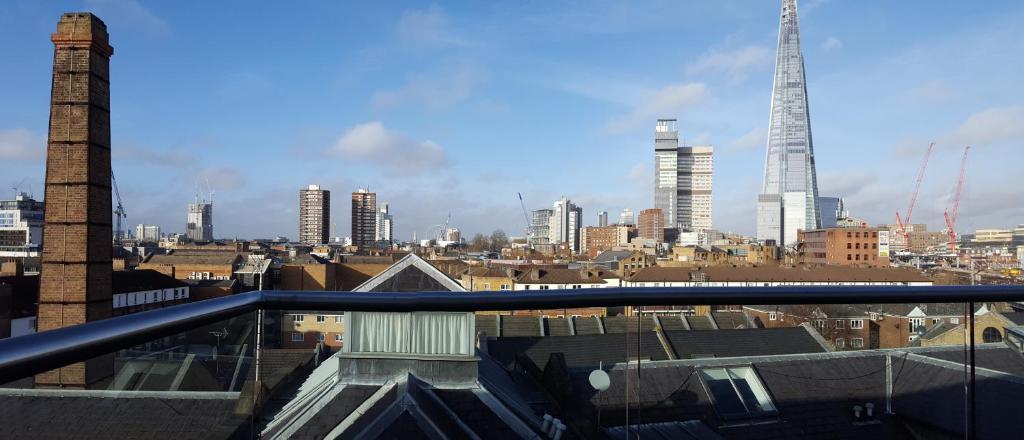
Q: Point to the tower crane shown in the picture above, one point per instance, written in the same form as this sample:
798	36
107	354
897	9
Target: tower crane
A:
951	218
525	217
901	224
118	211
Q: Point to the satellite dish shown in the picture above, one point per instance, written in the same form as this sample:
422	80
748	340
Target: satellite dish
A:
599	380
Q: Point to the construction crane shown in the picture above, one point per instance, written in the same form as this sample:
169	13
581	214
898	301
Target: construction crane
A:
951	218
525	217
901	224
119	211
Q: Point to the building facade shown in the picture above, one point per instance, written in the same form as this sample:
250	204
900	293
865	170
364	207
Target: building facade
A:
540	227
596	239
564	224
21	227
364	218
314	215
832	210
650	225
788	201
200	221
626	217
385	226
845	246
602	218
147	233
683	179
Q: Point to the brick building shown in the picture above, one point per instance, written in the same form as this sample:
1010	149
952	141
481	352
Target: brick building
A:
868	247
314	215
75	284
364	218
596	239
650	225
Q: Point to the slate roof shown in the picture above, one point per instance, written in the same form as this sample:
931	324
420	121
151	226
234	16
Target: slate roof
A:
743	342
520	325
180	257
81	415
612	256
125	281
587	325
938	329
672	322
559	276
346	401
1014	317
727	320
579	350
700	322
779	274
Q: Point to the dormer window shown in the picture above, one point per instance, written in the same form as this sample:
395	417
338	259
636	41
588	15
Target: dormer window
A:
737	392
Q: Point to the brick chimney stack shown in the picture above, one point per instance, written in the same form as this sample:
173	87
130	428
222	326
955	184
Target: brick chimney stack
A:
74	284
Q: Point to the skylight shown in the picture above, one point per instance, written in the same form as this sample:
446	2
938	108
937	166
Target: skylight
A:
738	392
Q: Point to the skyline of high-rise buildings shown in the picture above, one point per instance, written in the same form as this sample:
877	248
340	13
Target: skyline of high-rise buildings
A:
199	225
364	218
314	215
384	226
565	223
788	201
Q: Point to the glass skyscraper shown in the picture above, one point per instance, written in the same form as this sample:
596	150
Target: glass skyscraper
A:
788	201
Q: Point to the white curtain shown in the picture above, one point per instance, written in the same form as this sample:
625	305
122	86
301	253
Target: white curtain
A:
414	333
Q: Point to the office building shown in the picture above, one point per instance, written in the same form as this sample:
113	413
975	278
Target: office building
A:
364	218
147	233
21	227
564	224
597	239
385	226
651	225
683	179
540	227
314	215
75	282
789	199
626	217
832	211
602	218
868	247
200	221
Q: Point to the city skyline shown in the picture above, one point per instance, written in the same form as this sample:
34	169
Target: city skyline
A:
867	148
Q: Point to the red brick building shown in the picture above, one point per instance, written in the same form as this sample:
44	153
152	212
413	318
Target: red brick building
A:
651	225
867	247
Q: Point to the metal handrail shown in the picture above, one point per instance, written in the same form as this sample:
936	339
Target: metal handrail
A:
27	355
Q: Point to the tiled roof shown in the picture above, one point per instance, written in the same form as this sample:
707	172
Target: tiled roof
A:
559	276
176	258
610	256
779	274
346	401
520	325
1015	317
579	350
730	320
743	342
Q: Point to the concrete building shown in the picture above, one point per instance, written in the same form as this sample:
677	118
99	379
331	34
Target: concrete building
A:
75	284
993	236
385	226
314	215
651	225
147	233
21	227
364	218
788	201
602	218
540	227
626	217
596	239
565	223
845	246
683	179
199	226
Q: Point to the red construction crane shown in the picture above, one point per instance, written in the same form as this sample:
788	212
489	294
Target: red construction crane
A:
951	218
913	198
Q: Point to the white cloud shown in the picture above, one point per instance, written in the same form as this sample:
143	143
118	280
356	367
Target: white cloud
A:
176	158
752	140
736	64
129	13
991	126
832	43
370	142
224	178
669	101
425	28
21	144
446	85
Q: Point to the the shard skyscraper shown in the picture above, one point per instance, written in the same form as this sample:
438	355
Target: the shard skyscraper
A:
788	200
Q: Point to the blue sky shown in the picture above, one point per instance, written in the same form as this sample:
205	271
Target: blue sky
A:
456	107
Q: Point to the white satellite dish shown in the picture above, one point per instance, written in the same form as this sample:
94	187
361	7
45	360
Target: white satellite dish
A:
599	380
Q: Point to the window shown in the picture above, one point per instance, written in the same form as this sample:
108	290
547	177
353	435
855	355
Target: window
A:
337	337
849	235
856	324
577	286
840	343
991	334
298	337
857	257
506	287
772	316
487	286
916	323
526	287
873	316
339	319
857	342
544	287
737	392
298	318
819	323
857	246
320	337
849	257
954	320
321	318
839	323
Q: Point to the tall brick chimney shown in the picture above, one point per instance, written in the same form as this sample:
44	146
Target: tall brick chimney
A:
74	284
